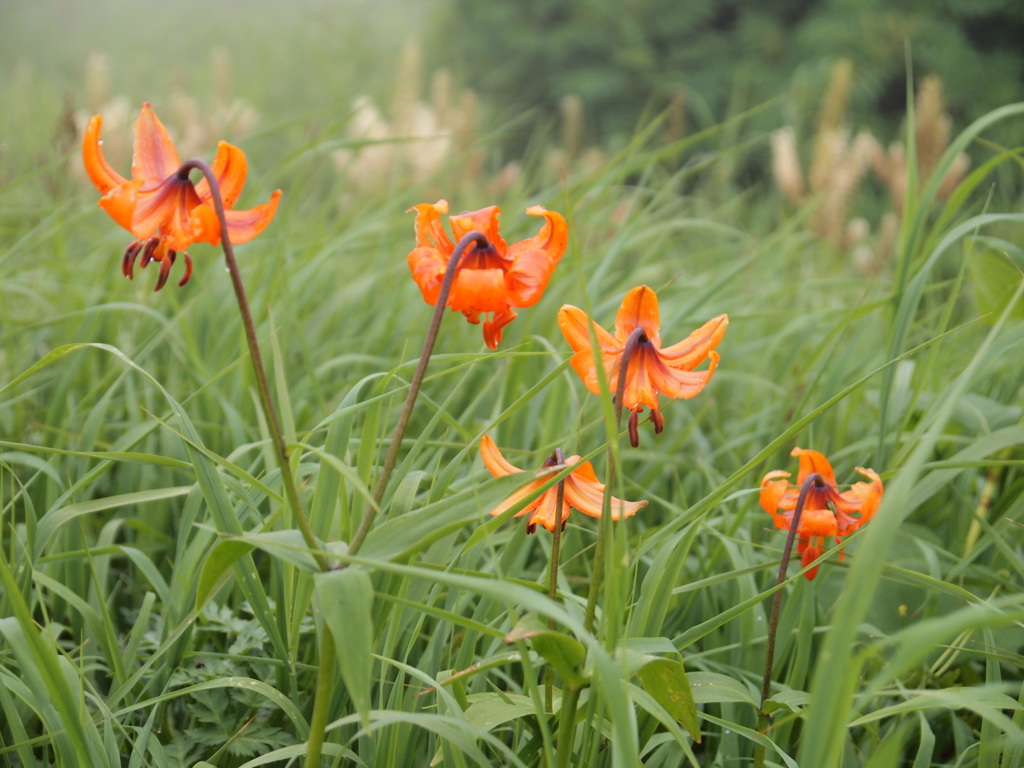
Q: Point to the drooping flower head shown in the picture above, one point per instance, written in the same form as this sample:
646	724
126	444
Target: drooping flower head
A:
493	279
161	206
582	491
653	370
827	513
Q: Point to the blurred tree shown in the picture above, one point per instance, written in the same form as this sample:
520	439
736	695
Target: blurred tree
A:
622	56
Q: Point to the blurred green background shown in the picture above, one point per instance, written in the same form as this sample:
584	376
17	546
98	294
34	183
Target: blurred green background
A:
625	59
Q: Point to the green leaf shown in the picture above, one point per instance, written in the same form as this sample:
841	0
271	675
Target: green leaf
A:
665	680
563	652
345	598
489	710
995	277
222	556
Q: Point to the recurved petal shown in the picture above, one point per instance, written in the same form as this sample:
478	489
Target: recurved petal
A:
484	221
575	326
229	168
588	497
679	383
243	226
534	259
642	379
691	351
205	226
121	201
528	277
869	494
515	498
811	462
546	511
639	309
155	157
429	232
808	554
493	328
583	363
100	173
479	290
773	488
495	462
817	522
428	266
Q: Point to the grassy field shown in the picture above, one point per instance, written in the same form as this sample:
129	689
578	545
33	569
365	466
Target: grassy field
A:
159	607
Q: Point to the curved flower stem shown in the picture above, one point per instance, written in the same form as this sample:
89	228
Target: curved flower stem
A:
773	622
470	238
273	423
556	541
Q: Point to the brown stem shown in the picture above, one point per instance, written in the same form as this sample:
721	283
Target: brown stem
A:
637	337
773	622
280	447
470	238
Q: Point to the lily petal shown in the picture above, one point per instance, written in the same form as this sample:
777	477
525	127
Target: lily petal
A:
811	462
243	226
429	232
495	462
100	173
691	351
534	260
155	157
575	326
428	266
680	383
493	328
229	168
639	310
120	203
546	511
588	497
484	221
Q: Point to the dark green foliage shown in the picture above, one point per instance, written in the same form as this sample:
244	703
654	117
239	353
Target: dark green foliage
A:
622	56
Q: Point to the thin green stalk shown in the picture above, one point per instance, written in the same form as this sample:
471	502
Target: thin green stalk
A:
269	411
567	725
567	717
556	541
470	238
636	338
321	700
773	622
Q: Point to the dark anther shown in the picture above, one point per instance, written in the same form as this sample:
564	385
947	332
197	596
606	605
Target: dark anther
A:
564	521
634	432
530	528
658	419
188	269
148	251
128	262
165	269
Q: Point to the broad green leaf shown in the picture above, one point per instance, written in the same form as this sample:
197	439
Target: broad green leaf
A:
564	652
345	600
995	277
665	680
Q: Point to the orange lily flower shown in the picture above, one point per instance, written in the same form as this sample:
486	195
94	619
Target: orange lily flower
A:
653	370
494	279
583	491
827	513
163	208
